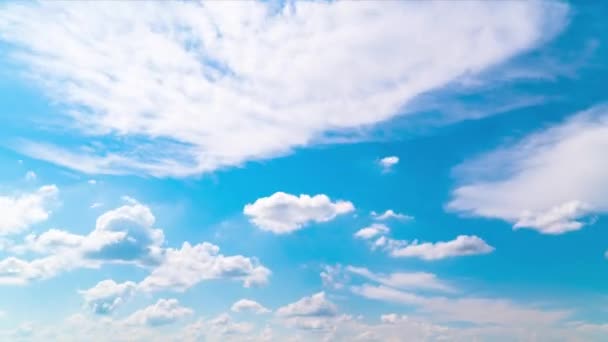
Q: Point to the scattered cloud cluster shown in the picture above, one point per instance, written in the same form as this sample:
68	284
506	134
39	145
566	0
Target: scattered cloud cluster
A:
248	305
283	213
126	235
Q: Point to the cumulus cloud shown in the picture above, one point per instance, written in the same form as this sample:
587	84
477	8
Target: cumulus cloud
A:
164	311
18	212
248	305
387	163
185	267
283	213
190	88
390	214
461	246
372	231
316	305
107	295
126	235
552	181
221	328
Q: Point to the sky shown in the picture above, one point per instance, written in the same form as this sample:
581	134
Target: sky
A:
303	171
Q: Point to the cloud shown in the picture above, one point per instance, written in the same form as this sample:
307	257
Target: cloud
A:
283	213
107	295
387	163
248	305
30	176
404	280
220	328
18	212
461	246
164	311
190	88
333	277
185	267
467	309
390	214
316	305
551	181
372	231
126	235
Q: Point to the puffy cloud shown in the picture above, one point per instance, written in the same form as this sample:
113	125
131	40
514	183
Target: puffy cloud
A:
387	163
316	305
185	267
372	231
550	181
190	88
283	213
390	214
333	276
164	311
461	246
107	295
404	280
248	305
126	235
18	212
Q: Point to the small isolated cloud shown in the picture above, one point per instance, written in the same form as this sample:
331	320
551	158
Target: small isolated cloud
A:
163	312
539	182
316	305
248	305
463	245
372	231
92	181
333	277
18	212
96	205
107	295
390	214
30	176
283	213
387	163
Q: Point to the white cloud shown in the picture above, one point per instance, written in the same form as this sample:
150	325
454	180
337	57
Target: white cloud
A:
220	328
126	235
18	212
551	181
387	163
389	214
333	276
190	88
372	231
467	309
283	213
248	305
404	280
107	295
461	246
96	205
185	267
30	176
164	311
316	305
92	181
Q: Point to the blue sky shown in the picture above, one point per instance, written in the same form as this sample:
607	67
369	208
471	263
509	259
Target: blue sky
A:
272	171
